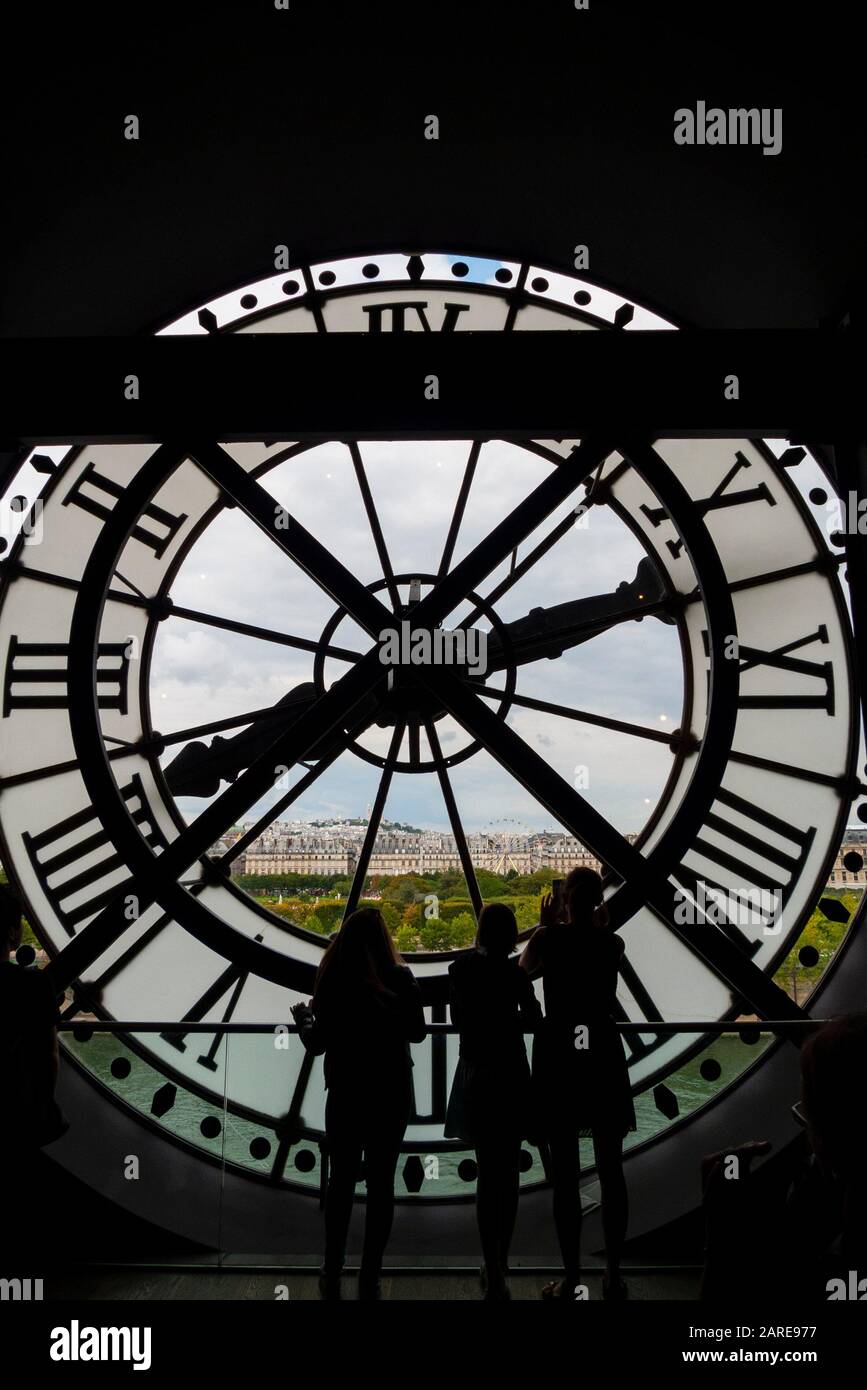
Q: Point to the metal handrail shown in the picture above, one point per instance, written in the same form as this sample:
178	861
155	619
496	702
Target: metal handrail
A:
765	1025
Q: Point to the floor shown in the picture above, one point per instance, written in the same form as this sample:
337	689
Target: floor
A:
239	1284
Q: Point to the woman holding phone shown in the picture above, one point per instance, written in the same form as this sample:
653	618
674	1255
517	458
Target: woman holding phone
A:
579	1069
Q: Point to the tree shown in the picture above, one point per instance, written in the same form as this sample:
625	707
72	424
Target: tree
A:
330	915
405	888
490	885
391	915
824	936
448	933
412	916
405	938
462	930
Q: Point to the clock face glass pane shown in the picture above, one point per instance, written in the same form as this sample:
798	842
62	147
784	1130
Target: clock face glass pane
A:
663	649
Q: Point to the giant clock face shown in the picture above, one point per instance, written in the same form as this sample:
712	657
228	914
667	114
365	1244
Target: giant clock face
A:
110	814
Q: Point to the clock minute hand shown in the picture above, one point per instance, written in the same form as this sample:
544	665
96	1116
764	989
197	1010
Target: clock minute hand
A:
548	632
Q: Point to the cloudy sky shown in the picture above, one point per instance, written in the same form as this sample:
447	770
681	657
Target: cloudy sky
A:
631	673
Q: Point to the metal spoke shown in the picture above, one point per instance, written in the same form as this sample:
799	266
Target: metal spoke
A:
502	540
517	299
460	507
414	745
328	713
286	801
215	726
455	820
583	716
373	823
818	566
129	584
375	527
308	553
264	634
148	745
841	785
518	570
196	615
313	299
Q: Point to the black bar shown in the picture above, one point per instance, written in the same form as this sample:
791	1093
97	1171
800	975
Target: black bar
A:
346	385
455	821
357	888
850	461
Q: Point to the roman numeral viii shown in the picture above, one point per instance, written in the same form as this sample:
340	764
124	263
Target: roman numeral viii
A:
76	882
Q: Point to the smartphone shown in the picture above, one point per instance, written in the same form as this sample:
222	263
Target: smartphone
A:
557	891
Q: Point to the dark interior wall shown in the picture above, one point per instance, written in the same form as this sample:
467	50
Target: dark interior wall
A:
305	127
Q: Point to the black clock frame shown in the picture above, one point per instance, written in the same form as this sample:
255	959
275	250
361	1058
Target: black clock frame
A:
602	323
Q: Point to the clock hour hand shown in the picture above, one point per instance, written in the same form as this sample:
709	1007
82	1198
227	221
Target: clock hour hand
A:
199	768
548	632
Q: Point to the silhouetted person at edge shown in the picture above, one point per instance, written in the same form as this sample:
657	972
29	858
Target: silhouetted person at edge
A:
807	1219
28	1072
833	1073
366	1010
490	1106
579	1069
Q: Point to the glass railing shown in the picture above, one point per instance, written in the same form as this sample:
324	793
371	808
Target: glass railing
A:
248	1099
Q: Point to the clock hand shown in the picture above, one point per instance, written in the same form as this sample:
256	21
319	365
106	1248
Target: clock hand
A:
199	768
156	876
308	553
198	772
548	632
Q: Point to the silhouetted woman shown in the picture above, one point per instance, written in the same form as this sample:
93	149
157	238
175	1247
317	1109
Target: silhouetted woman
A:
366	1010
492	1003
580	1071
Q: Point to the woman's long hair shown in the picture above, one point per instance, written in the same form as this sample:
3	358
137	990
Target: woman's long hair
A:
362	952
583	895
